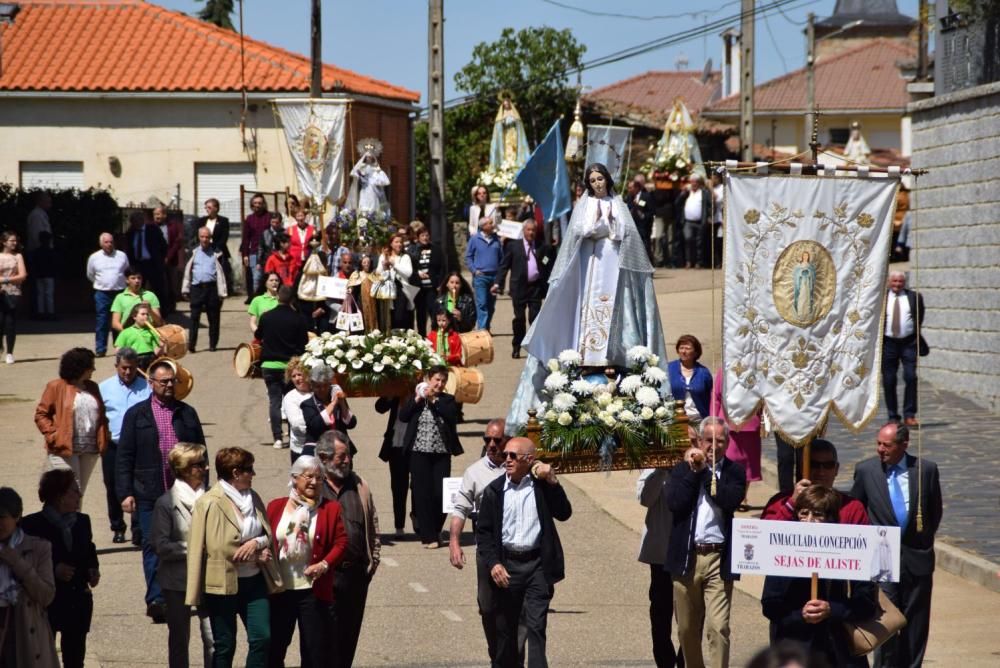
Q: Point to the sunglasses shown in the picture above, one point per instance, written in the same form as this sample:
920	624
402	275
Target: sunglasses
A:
513	455
492	439
819	466
165	381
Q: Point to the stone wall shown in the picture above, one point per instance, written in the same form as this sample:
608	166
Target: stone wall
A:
956	262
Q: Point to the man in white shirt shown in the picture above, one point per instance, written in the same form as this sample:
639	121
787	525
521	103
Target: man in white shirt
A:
904	315
38	221
692	208
106	271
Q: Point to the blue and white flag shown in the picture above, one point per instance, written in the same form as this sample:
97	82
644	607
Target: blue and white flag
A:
610	145
545	178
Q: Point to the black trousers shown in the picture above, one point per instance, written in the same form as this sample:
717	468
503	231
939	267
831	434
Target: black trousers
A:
486	597
274	381
912	595
427	472
205	297
425	303
661	617
179	631
399	483
313	617
73	645
8	320
895	351
116	516
789	461
350	593
677	243
530	301
525	600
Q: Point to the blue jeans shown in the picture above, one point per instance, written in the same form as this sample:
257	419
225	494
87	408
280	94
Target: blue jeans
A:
486	301
254	275
102	304
150	562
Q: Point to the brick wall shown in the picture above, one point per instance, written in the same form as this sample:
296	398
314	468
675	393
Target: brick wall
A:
957	260
392	127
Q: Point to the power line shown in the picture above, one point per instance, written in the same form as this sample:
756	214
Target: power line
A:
774	43
633	17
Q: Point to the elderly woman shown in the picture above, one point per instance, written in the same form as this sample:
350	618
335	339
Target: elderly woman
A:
690	382
231	570
326	409
818	623
312	541
27	587
296	375
71	417
431	441
74	559
171	526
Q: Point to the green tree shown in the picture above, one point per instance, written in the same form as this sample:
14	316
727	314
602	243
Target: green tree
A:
217	12
531	65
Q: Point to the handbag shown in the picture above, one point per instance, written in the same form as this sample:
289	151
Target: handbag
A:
349	320
865	636
384	287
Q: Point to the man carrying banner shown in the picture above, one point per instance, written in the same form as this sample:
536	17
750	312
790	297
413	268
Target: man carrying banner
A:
895	487
698	554
824	468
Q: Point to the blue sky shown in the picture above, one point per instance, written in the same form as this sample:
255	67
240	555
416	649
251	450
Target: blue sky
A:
387	39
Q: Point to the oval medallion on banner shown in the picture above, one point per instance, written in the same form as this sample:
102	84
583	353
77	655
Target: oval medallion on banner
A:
804	283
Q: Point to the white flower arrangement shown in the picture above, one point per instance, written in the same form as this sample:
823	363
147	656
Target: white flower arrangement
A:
648	397
630	384
563	401
655	375
372	358
582	387
570	358
637	354
556	381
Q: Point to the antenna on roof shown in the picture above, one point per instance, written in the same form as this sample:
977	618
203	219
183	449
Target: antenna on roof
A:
681	61
706	73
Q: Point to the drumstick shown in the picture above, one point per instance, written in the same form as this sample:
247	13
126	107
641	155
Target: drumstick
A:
153	330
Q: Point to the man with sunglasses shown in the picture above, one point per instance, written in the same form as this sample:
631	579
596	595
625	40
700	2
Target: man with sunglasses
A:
142	469
519	546
823	470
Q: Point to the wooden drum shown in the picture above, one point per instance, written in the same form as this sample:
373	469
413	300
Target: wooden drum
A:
477	348
466	384
246	360
185	381
175	338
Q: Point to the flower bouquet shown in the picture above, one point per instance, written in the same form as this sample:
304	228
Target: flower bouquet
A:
365	229
373	364
619	420
500	182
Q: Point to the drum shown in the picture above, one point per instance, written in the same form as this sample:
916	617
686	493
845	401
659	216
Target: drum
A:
185	381
466	384
246	360
175	338
477	348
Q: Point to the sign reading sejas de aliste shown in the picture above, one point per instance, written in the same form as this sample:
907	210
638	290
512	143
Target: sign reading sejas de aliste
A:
799	549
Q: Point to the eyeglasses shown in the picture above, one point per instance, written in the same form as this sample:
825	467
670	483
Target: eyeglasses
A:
492	439
248	470
513	455
199	465
819	466
165	381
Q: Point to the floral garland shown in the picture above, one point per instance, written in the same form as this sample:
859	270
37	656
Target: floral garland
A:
365	229
591	414
672	166
373	358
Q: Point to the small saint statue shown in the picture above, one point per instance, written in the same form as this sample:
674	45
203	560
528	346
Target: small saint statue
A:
856	150
509	146
368	181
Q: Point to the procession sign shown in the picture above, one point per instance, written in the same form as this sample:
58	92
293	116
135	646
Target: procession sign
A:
799	549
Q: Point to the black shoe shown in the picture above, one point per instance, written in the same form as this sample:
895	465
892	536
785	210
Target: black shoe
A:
137	538
211	349
516	353
157	611
191	349
119	536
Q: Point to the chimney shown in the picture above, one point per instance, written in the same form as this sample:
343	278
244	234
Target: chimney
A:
730	62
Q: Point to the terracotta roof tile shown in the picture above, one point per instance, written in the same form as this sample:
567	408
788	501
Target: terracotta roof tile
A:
863	78
650	96
131	46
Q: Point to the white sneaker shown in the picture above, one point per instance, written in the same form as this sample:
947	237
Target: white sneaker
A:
278	445
10	359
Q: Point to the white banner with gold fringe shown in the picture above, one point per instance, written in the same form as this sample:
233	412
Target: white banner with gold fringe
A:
805	279
314	130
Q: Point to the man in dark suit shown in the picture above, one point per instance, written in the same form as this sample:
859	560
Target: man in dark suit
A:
698	550
529	262
146	249
902	341
888	485
283	333
219	227
142	472
640	205
520	548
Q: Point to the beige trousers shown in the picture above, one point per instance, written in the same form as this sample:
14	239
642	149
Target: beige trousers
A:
82	465
702	599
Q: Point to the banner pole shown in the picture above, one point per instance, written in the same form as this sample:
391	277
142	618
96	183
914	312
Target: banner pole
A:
806	467
814	587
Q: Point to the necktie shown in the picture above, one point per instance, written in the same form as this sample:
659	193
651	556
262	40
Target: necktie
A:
896	497
532	263
896	328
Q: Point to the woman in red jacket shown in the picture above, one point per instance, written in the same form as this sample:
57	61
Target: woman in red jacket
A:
446	341
311	541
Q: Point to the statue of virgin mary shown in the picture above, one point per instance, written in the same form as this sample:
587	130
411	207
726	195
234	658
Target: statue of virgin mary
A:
509	145
601	300
368	180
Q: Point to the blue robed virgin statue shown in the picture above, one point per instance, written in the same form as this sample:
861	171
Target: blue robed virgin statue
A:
600	301
509	144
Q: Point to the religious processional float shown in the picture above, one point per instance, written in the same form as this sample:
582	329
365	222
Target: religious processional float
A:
508	153
677	153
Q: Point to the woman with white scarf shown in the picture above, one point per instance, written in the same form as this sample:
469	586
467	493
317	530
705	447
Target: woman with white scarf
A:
171	525
312	542
27	587
231	569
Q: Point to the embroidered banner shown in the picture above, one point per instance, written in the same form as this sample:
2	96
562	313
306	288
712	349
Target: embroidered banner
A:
314	130
611	146
805	277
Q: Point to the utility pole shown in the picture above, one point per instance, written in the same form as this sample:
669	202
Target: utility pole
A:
922	41
316	82
811	83
440	234
746	80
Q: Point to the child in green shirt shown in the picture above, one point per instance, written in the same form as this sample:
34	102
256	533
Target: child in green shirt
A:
140	336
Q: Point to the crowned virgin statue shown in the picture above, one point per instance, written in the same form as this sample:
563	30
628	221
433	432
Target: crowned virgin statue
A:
600	301
368	181
509	146
679	143
856	150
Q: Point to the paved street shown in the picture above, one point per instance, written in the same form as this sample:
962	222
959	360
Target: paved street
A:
421	611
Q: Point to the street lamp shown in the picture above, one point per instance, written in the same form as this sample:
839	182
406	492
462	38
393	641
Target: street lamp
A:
811	74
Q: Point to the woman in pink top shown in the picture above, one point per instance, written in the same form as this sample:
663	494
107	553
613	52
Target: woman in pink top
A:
744	442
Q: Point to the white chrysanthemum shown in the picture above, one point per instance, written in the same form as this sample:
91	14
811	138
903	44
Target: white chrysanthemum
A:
655	374
570	358
556	381
637	354
604	399
646	413
551	415
563	401
553	365
581	386
647	396
565	419
630	384
653	360
626	415
377	368
662	412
